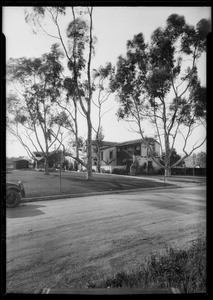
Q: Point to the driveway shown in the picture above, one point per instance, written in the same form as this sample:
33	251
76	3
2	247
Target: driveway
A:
68	243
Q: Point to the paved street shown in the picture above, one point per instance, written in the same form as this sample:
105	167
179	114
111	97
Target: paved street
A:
67	243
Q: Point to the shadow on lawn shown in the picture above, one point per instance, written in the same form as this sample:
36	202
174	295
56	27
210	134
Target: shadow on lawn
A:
24	210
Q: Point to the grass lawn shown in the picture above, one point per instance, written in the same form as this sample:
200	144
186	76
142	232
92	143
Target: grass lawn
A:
38	184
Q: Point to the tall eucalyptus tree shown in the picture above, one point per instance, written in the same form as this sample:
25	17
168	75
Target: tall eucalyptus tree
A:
78	49
34	86
159	81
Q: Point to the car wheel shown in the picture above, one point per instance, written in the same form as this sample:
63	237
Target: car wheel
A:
13	198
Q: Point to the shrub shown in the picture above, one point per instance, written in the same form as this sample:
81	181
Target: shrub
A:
134	168
160	171
119	171
104	171
71	167
184	269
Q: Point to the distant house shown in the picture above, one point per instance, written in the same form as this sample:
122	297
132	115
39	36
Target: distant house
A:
122	155
21	164
17	163
10	164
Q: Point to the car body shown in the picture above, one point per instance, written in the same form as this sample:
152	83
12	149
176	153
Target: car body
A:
14	193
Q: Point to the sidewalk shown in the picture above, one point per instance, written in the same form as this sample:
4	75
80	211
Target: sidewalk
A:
173	179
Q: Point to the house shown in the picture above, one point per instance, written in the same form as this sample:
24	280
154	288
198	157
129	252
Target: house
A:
122	155
39	160
104	145
21	162
10	164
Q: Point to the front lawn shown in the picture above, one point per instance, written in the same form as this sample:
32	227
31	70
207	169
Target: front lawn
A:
38	184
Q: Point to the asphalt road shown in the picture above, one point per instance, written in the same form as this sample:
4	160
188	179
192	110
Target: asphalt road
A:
68	243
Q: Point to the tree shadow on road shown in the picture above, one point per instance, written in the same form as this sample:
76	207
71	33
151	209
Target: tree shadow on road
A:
24	210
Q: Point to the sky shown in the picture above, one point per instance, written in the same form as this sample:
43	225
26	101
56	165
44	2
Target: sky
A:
113	26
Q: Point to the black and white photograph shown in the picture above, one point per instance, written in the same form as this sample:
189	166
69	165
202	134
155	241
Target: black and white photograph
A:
106	149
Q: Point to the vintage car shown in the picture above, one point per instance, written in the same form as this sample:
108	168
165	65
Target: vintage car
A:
14	193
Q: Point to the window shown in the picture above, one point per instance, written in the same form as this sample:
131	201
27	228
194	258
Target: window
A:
110	154
102	155
137	150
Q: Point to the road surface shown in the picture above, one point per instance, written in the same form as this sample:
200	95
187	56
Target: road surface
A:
71	242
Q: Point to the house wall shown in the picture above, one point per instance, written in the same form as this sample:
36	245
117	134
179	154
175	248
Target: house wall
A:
157	149
106	156
142	160
111	168
145	151
21	164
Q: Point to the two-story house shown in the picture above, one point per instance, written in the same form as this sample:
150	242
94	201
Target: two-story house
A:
122	155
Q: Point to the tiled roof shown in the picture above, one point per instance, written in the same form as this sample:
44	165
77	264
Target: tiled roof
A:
134	142
129	142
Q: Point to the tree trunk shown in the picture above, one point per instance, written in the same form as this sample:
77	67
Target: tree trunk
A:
167	167
46	165
89	123
77	152
99	160
167	171
89	150
76	135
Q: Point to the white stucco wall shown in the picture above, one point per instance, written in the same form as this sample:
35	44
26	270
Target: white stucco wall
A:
144	149
106	156
143	159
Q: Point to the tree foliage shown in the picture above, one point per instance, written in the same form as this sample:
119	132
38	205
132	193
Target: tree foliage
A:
201	159
78	49
175	157
34	86
154	82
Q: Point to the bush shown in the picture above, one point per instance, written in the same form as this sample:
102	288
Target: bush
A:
119	171
105	171
133	170
184	269
197	171
160	171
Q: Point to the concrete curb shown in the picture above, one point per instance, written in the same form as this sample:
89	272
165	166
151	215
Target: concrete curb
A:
65	196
